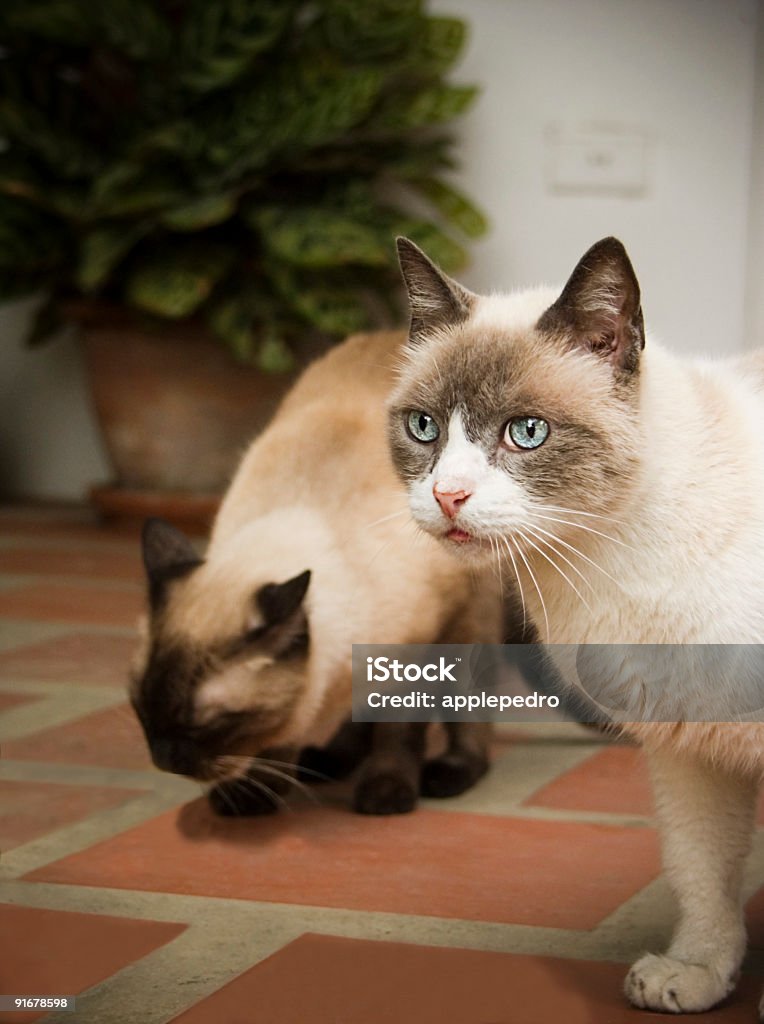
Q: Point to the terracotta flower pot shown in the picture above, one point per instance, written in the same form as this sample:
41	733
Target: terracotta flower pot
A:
176	413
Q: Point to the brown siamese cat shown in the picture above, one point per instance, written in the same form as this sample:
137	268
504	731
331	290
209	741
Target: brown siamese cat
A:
247	652
625	487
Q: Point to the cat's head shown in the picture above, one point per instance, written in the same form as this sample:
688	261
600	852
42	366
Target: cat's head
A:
224	658
515	416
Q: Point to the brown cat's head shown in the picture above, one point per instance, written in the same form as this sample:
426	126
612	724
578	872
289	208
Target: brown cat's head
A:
224	660
514	421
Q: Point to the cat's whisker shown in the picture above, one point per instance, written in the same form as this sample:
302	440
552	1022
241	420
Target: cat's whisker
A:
577	512
386	519
247	780
298	767
250	762
495	551
258	784
588	529
555	566
534	532
580	554
517	577
285	777
536	585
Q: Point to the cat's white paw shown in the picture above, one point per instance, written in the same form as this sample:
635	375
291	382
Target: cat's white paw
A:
670	986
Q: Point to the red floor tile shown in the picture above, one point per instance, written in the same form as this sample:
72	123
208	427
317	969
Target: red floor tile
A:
14	700
445	864
90	658
29	810
72	561
49	952
344	981
111	739
57	602
612	781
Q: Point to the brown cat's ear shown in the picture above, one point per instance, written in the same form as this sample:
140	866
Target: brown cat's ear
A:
434	298
600	308
168	554
285	624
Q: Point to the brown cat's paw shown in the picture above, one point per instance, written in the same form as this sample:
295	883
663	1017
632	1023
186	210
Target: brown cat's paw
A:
384	794
240	800
450	775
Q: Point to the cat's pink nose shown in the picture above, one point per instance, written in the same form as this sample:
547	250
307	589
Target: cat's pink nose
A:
450	501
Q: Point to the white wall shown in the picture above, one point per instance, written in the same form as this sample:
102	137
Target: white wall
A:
49	446
755	277
680	71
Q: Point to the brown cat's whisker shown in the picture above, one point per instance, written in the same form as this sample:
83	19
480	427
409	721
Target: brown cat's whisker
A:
555	566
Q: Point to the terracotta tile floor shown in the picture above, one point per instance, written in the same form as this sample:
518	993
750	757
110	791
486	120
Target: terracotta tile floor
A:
520	902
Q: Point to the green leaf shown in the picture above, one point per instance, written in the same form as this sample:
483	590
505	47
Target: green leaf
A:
440	44
102	250
136	28
432	105
274	355
337	311
454	205
313	237
200	213
68	23
173	283
219	41
30	239
231	318
150	191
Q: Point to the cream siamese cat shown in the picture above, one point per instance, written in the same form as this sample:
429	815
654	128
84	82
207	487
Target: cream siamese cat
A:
248	651
626	491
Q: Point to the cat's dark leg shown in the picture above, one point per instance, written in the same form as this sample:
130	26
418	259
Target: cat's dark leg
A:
464	761
389	779
341	755
260	790
706	817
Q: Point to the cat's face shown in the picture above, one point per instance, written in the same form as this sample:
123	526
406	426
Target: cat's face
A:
223	666
514	423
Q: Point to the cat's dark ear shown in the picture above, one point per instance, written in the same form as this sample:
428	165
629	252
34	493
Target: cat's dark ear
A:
284	626
434	298
168	554
600	307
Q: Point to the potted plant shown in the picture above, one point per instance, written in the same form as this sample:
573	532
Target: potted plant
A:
210	190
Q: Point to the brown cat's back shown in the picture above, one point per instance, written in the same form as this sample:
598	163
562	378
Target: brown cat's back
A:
339	398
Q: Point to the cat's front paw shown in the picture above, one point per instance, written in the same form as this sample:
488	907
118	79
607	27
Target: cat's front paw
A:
451	775
670	986
384	794
240	799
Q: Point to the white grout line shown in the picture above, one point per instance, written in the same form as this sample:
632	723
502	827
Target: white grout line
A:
60	706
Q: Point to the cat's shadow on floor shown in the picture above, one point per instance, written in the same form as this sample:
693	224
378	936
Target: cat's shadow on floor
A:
198	822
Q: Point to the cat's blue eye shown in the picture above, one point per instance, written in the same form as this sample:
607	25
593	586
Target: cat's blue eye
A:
527	431
422	426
